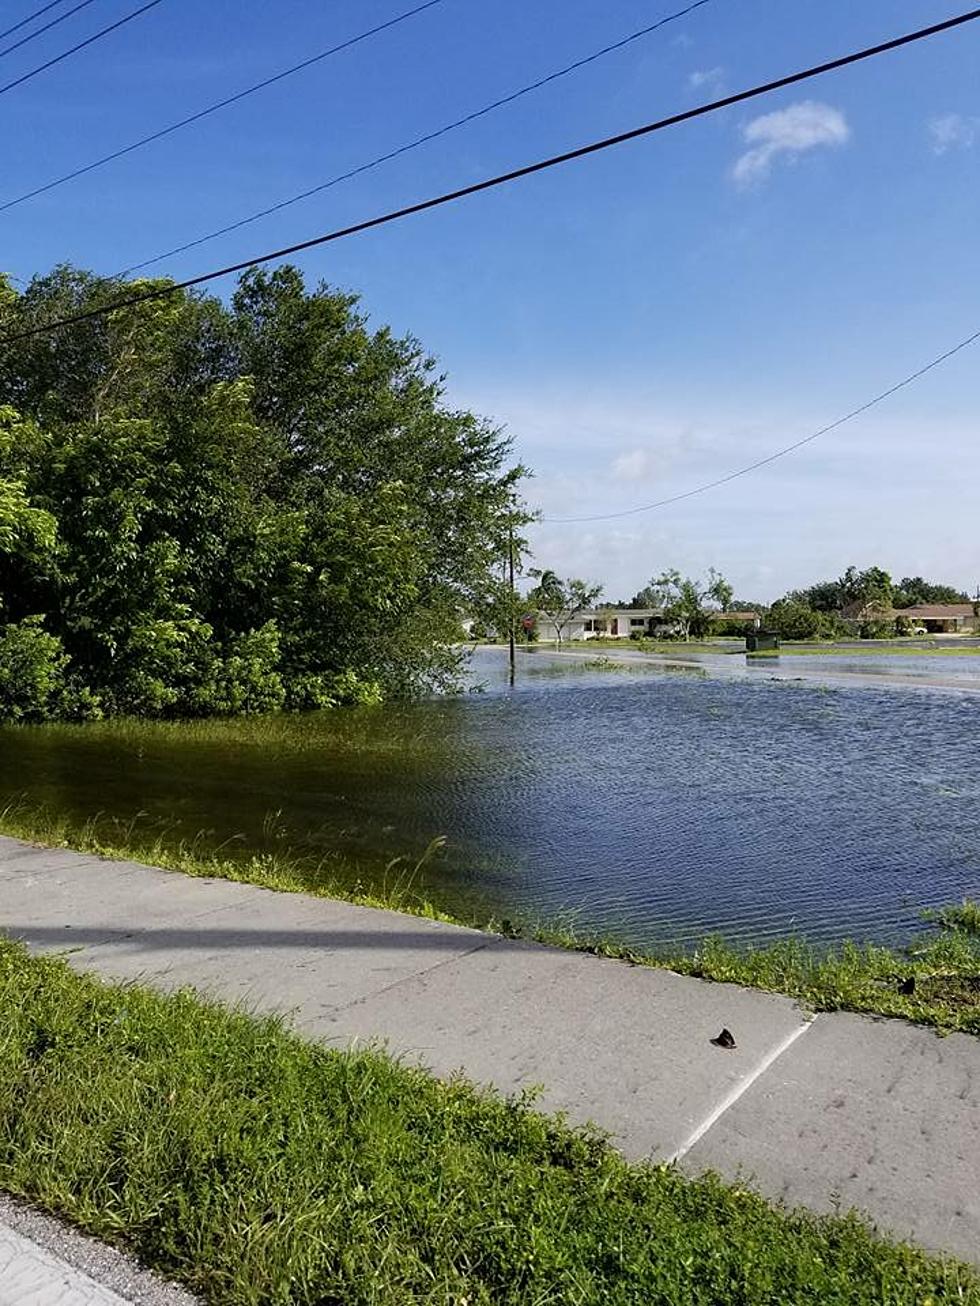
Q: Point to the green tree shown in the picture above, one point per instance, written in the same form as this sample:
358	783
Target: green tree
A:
913	590
648	597
686	602
791	618
235	508
561	600
871	587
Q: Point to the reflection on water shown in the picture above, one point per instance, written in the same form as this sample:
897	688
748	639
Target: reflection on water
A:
657	803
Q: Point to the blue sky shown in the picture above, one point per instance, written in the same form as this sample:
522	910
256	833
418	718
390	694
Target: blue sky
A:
642	321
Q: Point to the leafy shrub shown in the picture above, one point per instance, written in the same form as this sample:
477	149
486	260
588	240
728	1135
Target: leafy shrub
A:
32	666
249	680
349	687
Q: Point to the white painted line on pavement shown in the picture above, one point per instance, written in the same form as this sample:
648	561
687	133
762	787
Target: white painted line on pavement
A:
728	1102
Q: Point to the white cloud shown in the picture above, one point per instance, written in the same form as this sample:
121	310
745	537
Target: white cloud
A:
634	466
713	79
793	521
649	463
951	131
787	134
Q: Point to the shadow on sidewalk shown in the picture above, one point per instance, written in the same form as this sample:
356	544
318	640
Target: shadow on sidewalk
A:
188	937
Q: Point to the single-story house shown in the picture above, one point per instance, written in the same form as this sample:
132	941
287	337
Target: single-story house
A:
603	623
864	612
932	618
620	623
943	618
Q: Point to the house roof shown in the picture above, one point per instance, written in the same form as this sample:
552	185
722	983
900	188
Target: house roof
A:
593	614
860	610
590	613
939	611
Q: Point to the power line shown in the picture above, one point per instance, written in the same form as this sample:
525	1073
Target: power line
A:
30	18
419	140
780	453
121	22
24	40
489	183
219	104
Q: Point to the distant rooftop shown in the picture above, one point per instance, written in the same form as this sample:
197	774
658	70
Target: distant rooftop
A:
938	611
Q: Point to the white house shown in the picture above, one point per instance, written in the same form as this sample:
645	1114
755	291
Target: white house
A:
603	623
620	623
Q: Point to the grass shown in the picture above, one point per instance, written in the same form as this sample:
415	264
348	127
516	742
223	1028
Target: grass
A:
945	961
624	644
325	877
944	967
891	648
258	1169
729	644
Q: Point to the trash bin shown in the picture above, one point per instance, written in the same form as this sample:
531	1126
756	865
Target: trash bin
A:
762	641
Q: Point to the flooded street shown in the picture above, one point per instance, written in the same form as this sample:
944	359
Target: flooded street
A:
655	802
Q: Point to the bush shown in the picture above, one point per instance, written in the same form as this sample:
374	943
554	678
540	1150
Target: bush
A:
32	667
249	681
878	629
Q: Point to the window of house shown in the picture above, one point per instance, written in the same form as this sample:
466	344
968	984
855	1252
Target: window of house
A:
637	621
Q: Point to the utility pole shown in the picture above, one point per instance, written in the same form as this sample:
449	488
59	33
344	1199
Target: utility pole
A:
512	606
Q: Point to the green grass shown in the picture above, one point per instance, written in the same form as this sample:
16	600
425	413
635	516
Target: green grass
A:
874	648
325	877
625	645
945	961
259	1169
945	966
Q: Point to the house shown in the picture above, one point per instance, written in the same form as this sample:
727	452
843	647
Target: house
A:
943	618
926	618
603	623
621	623
747	618
864	612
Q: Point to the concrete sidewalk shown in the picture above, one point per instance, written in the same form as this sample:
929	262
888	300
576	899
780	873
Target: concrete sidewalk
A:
44	1263
836	1111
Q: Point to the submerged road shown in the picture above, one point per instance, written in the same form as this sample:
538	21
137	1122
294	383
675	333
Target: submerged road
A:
734	665
837	1110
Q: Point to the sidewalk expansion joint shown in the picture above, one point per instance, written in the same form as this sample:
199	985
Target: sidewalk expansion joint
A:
740	1089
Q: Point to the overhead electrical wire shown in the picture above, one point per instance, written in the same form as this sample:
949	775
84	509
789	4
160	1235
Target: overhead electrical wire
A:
24	40
30	18
218	104
90	40
773	457
418	141
489	183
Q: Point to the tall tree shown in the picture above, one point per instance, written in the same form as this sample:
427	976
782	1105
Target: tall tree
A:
913	590
685	601
561	600
217	508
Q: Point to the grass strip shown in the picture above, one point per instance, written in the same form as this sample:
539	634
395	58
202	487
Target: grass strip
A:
257	1168
894	649
943	964
935	981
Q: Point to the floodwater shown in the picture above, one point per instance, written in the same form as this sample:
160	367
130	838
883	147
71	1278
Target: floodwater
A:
652	802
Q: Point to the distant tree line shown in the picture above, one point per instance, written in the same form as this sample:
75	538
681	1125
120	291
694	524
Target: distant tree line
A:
220	508
817	611
695	608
